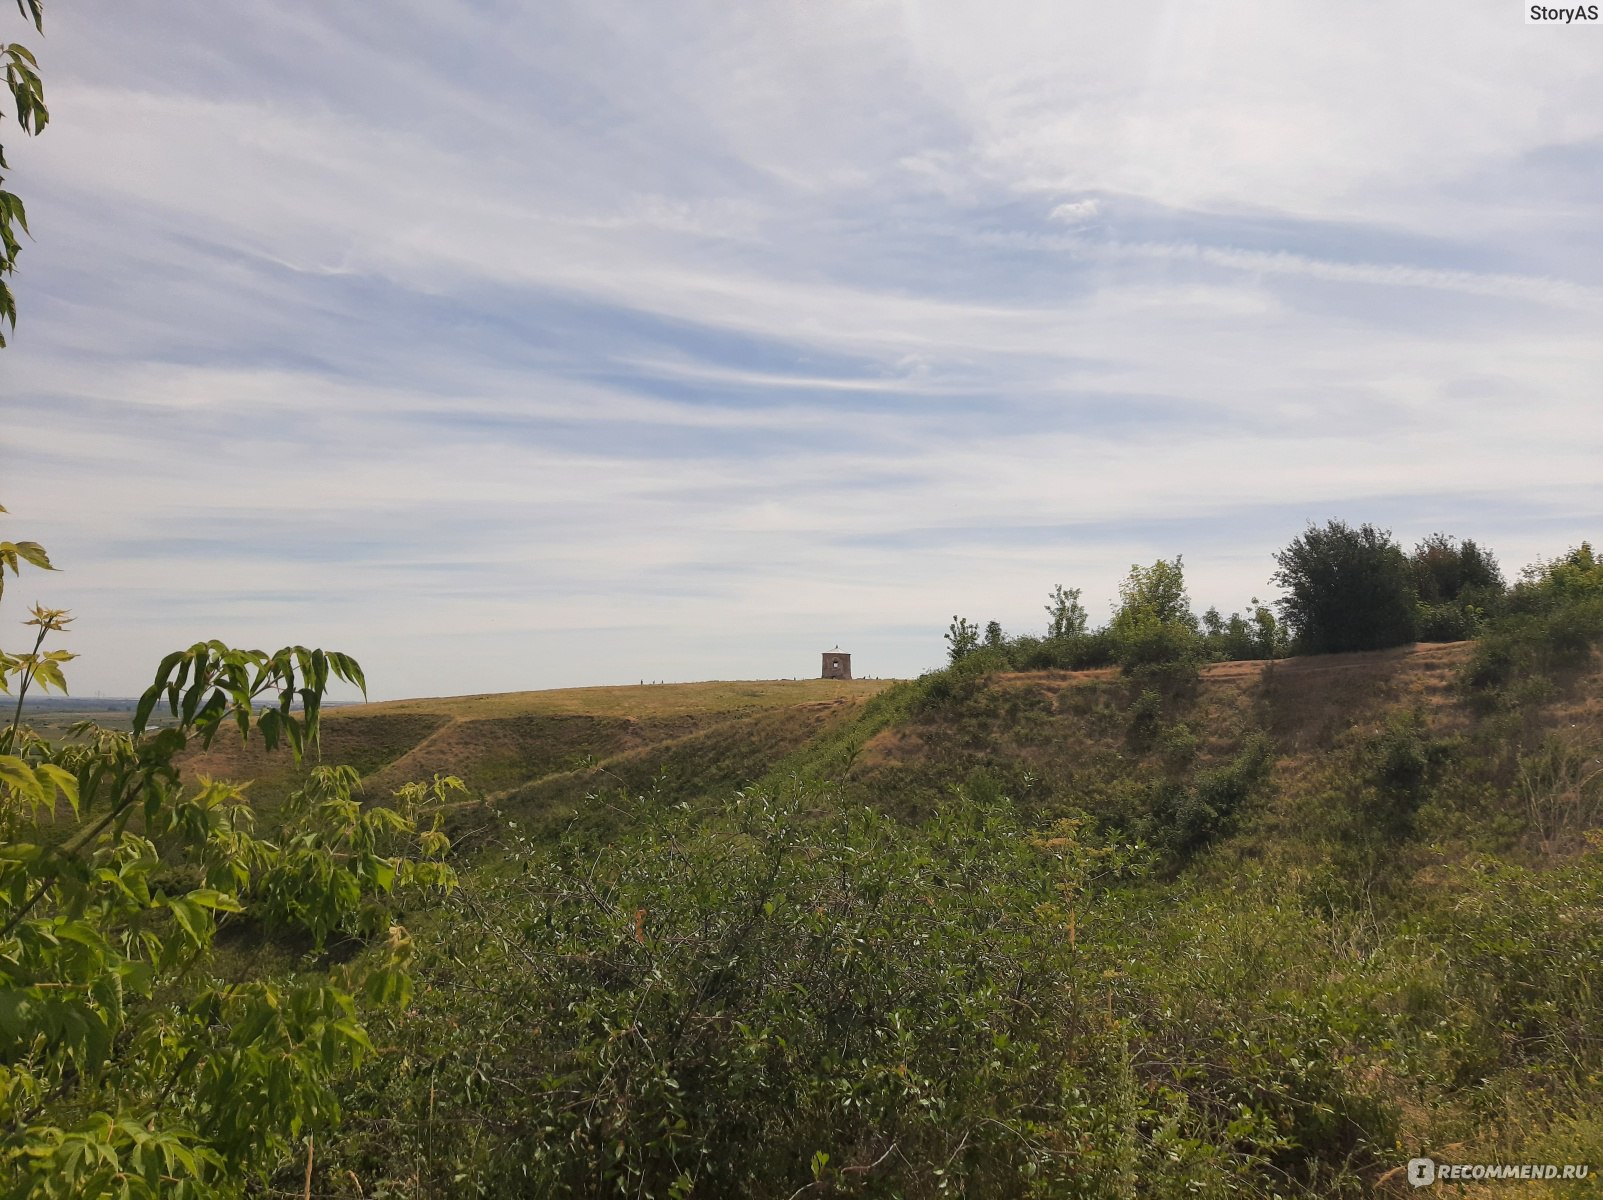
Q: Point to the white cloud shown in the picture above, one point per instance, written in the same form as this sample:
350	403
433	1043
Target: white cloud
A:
630	335
1076	212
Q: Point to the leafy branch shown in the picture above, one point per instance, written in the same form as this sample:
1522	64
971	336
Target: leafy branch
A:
21	70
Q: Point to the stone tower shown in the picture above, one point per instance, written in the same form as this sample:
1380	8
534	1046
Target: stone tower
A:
837	665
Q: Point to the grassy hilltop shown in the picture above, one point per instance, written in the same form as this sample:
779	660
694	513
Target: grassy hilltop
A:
1049	740
559	745
1285	923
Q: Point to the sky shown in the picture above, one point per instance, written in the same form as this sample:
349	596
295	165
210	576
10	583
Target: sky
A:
526	345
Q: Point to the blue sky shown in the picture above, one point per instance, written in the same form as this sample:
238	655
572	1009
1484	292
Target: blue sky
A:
511	346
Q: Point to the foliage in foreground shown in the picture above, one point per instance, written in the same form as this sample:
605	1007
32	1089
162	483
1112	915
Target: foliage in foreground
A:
781	999
21	70
127	1068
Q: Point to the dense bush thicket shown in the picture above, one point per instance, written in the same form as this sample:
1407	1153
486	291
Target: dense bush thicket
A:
1549	624
1346	589
1458	585
781	999
1181	814
1153	626
785	999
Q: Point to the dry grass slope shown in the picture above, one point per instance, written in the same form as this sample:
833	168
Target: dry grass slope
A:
509	743
1053	740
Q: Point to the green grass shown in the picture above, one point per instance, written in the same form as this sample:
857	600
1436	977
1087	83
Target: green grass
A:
1364	928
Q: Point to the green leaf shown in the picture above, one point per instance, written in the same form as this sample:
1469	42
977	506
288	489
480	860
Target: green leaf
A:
191	917
388	987
32	552
64	782
347	668
213	899
192	699
147	702
269	724
18	776
81	933
384	875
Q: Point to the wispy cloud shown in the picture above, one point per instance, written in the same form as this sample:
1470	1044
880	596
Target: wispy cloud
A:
1076	212
519	346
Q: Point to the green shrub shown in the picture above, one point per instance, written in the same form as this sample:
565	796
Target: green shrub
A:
1069	652
1448	572
1145	641
751	1004
962	639
953	685
1519	948
1154	624
1183	815
1066	617
1255	636
1143	718
757	1002
1575	576
1459	585
1347	589
1573	631
1501	652
1448	622
128	1067
1552	625
1251	1007
1395	772
1178	745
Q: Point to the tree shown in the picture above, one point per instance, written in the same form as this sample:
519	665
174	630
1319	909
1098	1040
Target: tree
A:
962	638
126	1067
1065	616
1347	589
1551	621
1447	570
28	101
1271	637
1256	635
1573	577
1158	591
1154	622
1458	585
